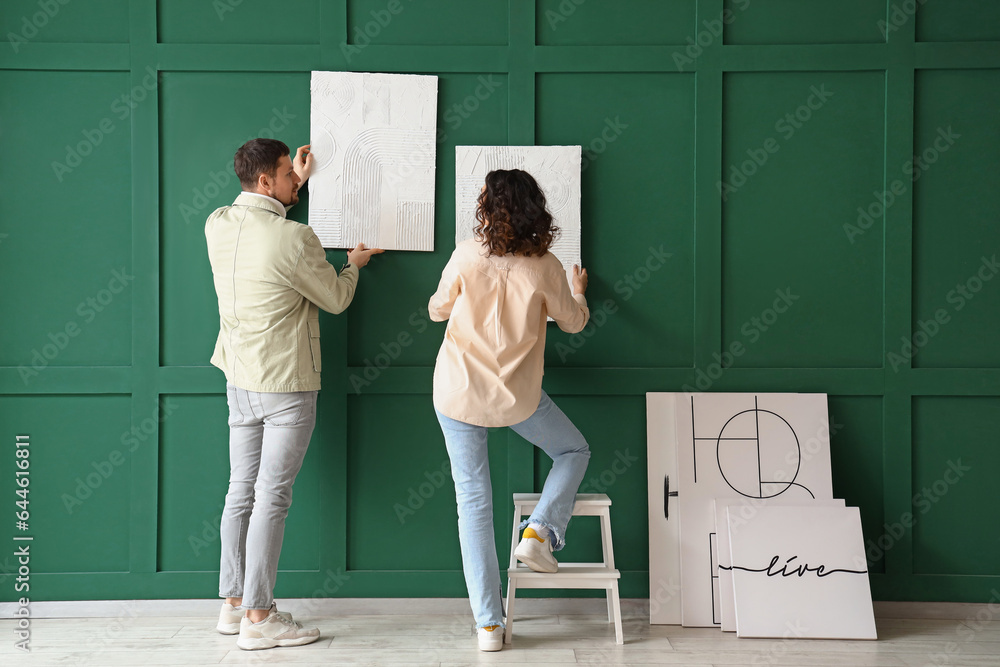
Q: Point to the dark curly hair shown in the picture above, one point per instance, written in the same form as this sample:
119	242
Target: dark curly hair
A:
511	215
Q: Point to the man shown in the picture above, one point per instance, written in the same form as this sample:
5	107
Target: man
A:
271	277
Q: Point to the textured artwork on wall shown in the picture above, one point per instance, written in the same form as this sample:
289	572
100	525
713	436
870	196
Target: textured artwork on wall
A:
373	141
555	168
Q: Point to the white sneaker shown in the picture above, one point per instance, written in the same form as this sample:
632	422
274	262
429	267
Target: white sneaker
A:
491	640
278	629
229	619
536	554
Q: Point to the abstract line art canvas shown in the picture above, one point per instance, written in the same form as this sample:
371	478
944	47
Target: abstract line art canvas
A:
755	446
373	140
555	168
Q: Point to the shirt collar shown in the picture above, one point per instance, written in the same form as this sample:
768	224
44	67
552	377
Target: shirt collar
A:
276	205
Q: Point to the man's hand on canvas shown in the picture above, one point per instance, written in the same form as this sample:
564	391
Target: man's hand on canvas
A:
303	163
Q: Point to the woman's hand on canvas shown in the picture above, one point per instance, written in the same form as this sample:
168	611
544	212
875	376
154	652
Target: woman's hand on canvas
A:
579	280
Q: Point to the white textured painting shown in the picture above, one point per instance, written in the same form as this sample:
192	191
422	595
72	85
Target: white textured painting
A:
743	511
555	168
373	142
748	445
801	572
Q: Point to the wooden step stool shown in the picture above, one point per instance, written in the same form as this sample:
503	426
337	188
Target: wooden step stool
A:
570	575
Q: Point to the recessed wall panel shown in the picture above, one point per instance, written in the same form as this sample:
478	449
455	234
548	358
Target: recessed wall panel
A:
956	239
637	213
802	152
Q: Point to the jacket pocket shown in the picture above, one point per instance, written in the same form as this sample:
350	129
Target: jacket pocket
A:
314	345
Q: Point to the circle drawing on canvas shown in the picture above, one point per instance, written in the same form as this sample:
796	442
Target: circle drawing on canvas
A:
324	148
555	187
776	445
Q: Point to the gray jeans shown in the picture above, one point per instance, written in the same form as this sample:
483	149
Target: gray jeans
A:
268	437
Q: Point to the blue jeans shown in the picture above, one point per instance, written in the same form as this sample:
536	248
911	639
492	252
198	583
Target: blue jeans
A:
549	429
268	438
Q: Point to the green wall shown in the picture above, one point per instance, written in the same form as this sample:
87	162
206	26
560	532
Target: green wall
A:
119	120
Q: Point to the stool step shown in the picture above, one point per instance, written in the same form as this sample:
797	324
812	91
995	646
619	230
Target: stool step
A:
586	570
582	499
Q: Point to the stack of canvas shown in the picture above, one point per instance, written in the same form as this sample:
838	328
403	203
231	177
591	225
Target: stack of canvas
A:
754	540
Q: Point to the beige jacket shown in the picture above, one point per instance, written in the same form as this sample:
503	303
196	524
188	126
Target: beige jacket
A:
271	278
489	369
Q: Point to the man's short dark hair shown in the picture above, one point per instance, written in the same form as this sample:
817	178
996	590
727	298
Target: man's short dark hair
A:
256	157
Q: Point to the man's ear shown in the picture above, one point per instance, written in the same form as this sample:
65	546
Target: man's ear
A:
264	183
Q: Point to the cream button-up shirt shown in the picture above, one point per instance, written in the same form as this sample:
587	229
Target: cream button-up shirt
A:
490	366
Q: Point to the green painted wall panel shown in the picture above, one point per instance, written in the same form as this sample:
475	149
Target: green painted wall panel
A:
637	206
800	150
631	22
239	22
966	21
956	301
73	302
31	21
202	180
796	22
193	481
955	463
855	433
402	502
79	481
409	22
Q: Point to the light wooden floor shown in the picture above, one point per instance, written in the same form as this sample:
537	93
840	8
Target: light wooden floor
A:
418	639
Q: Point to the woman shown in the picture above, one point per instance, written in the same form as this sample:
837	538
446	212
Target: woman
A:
498	289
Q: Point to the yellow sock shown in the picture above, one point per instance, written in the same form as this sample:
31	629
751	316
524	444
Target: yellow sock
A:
491	628
530	532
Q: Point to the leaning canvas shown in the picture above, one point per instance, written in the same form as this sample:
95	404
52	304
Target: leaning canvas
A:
749	445
664	527
744	510
555	168
801	572
373	142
